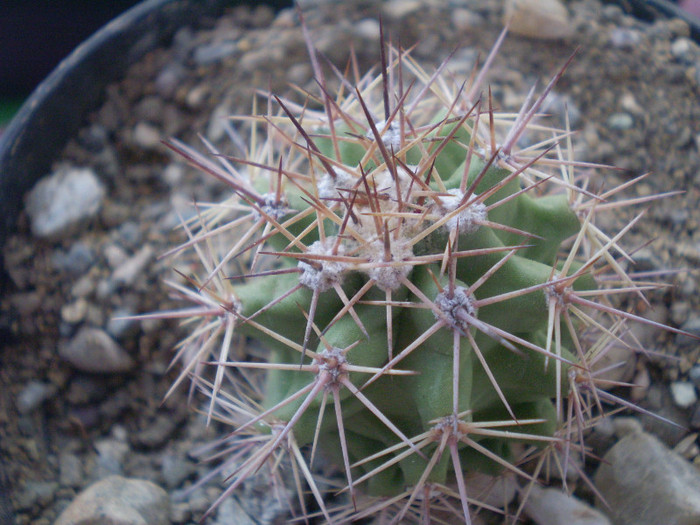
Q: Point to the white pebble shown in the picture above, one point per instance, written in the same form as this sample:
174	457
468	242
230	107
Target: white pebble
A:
683	393
62	200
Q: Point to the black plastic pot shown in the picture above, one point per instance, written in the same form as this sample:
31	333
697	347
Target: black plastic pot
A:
59	106
61	103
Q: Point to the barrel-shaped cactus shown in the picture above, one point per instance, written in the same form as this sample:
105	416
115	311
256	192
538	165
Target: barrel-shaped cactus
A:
396	284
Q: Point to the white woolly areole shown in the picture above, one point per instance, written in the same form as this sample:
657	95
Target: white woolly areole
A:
328	186
469	219
388	275
391	136
322	274
455	306
272	207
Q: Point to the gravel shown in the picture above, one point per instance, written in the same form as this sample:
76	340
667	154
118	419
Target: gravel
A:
82	394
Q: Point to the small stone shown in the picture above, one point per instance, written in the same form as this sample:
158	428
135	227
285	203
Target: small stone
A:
683	393
111	454
398	9
692	326
491	490
92	350
36	494
74	313
642	482
620	121
76	262
681	48
33	395
214	52
128	271
464	19
156	433
118	501
624	38
175	470
694	375
146	136
367	29
556	507
230	511
62	200
70	470
545	19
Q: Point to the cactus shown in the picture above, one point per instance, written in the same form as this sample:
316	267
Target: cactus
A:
395	288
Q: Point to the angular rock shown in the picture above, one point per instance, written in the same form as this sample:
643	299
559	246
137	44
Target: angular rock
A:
645	483
555	507
118	501
63	199
92	350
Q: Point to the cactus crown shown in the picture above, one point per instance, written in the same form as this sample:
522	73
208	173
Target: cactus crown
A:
425	294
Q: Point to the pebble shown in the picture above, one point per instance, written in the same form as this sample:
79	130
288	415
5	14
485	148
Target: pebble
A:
175	470
35	494
692	326
556	507
62	200
230	511
111	454
684	394
694	375
497	491
397	9
545	19
368	29
127	272
620	121
92	350
215	52
625	38
156	433
76	261
644	483
682	49
146	136
33	395
70	470
74	313
118	501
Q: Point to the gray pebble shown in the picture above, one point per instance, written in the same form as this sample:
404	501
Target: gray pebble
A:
127	272
35	494
62	200
624	38
146	136
692	326
121	501
175	470
214	52
156	433
111	454
368	29
76	261
70	470
644	483
230	511
682	49
34	394
620	121
118	326
683	393
694	375
92	350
